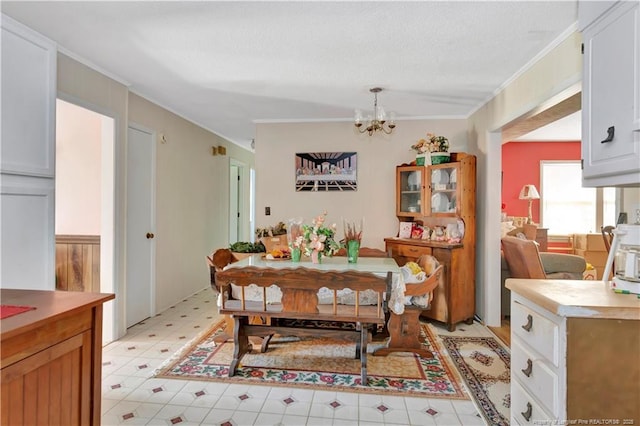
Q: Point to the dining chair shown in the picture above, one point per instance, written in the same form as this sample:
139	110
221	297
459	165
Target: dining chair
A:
607	236
365	252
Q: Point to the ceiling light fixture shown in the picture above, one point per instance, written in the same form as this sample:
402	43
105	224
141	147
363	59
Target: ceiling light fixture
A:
379	120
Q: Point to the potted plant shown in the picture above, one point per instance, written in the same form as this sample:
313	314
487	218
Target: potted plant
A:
242	249
436	147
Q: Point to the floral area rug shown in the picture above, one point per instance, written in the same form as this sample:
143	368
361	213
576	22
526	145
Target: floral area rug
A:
485	366
319	363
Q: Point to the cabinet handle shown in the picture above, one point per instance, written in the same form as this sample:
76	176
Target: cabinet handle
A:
150	235
527	414
527	371
529	324
610	132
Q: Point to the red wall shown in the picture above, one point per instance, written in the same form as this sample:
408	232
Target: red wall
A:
521	166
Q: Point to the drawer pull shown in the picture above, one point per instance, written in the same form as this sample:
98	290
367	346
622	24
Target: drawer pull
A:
527	414
529	324
527	371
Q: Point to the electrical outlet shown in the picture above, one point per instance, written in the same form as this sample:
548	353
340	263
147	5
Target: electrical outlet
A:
267	211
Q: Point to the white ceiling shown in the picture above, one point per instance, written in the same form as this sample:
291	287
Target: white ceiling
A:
226	65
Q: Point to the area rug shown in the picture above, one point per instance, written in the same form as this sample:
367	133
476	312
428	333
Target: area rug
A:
319	363
485	366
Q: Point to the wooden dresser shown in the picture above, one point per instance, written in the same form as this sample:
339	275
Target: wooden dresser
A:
51	358
575	353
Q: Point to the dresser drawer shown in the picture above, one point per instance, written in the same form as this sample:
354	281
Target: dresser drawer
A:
524	407
536	331
535	375
409	251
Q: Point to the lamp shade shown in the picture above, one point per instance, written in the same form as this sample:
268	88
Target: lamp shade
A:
529	192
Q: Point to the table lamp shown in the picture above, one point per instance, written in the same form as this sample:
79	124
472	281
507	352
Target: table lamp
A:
530	193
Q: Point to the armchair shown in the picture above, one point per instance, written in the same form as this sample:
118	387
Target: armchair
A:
520	259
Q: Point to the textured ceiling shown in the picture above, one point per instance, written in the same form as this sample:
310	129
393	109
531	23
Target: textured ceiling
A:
227	65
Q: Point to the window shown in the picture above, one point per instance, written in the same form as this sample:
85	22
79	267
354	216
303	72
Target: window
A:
567	207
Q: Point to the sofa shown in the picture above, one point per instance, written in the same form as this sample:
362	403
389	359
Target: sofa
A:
556	266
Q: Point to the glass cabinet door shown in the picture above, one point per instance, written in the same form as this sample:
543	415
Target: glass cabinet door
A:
410	191
443	185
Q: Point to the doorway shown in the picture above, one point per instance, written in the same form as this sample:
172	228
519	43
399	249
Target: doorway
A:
84	201
236	201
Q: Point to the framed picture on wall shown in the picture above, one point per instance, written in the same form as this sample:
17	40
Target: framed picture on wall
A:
326	171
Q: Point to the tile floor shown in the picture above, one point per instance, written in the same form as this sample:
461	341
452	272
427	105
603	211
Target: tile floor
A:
131	396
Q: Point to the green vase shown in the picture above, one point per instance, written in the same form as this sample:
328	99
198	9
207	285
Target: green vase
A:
353	247
296	252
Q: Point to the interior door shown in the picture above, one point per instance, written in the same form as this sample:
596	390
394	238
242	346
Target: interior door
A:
140	226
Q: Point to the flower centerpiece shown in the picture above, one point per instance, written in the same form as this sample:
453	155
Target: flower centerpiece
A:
318	239
437	147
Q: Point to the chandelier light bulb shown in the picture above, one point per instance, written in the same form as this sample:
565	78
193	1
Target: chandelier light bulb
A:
358	118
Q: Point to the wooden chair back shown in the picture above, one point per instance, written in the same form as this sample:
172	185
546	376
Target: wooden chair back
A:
365	252
523	258
607	236
217	261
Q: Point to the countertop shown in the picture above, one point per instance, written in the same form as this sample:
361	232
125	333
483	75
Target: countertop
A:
49	306
578	298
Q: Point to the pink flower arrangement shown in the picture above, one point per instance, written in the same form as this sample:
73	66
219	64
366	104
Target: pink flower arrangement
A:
318	237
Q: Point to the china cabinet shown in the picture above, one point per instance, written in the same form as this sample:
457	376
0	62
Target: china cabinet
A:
441	197
610	93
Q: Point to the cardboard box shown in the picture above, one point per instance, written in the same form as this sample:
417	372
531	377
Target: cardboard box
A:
597	258
277	242
589	242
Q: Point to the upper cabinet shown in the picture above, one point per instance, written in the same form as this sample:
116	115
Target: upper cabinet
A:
28	101
610	93
27	165
410	191
443	194
442	190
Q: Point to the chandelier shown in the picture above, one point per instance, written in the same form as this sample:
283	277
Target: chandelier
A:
379	120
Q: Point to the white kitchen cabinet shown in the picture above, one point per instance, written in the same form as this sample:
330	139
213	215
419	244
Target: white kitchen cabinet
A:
27	164
28	101
611	96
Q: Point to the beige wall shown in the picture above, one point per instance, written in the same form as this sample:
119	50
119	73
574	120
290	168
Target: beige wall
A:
378	156
192	201
554	73
192	188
